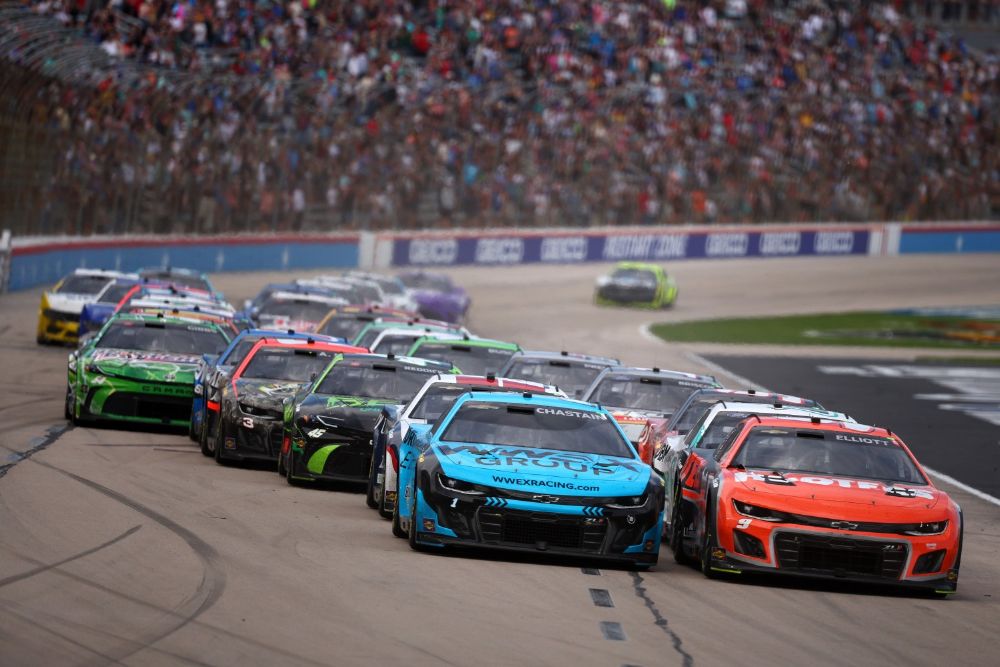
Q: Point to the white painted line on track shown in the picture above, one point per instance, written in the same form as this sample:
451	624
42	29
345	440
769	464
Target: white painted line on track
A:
948	479
645	332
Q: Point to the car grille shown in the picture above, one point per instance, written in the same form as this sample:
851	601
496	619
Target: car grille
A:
165	408
839	556
619	293
542	530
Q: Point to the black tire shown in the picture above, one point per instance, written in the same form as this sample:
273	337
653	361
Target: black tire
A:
370	499
220	439
382	511
676	534
203	438
397	529
288	473
67	412
708	542
282	470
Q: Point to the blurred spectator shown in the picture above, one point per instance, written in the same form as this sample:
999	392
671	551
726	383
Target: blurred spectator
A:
406	113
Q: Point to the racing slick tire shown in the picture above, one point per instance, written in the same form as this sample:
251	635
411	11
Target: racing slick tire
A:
382	511
281	465
67	410
397	528
288	473
203	439
676	535
707	542
370	499
220	438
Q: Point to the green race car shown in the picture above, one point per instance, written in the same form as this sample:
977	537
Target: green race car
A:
140	368
475	356
636	284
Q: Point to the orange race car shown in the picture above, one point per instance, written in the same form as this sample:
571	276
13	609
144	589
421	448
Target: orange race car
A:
815	498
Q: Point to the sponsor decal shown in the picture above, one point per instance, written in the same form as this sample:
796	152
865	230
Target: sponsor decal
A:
433	251
564	249
283	388
780	243
499	251
727	245
545	483
512	456
833	243
861	485
357	403
865	440
579	414
154	357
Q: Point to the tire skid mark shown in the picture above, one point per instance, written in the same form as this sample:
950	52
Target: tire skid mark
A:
32	617
213	580
660	620
37	445
43	568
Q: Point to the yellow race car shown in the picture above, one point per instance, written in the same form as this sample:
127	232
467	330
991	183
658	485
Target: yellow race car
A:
59	311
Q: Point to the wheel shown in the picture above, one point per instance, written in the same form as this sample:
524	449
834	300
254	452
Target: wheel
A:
370	497
397	528
220	439
382	511
67	404
281	465
707	544
676	534
203	439
288	472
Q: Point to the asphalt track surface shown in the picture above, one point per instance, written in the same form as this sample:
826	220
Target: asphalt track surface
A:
129	547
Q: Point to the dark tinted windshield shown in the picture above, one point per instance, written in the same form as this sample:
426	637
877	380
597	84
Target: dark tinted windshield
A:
275	363
717	431
398	344
634	275
367	293
294	310
156	337
562	429
438	399
697	408
573	378
83	285
374	380
344	326
114	293
424	281
827	453
240	350
471	359
390	285
643	393
197	282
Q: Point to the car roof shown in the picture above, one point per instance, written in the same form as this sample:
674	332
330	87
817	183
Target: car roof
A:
829	425
565	356
655	372
307	296
778	409
167	319
469	341
491	380
530	398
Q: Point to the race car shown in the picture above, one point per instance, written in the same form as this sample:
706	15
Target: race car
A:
328	425
293	310
436	296
348	321
572	373
399	340
370	332
140	368
714	426
636	284
215	370
817	499
96	313
635	395
531	473
251	307
180	277
249	416
475	356
663	432
59	309
434	398
395	294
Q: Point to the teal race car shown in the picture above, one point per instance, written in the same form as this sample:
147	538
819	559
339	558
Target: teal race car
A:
636	284
140	369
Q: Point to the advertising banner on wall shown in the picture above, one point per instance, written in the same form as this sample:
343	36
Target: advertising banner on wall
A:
562	247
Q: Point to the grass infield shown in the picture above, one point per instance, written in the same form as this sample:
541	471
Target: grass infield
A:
876	329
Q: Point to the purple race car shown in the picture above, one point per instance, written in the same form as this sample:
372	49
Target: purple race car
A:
436	296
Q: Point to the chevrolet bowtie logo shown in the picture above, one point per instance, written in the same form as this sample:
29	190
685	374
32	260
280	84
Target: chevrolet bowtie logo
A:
545	499
843	525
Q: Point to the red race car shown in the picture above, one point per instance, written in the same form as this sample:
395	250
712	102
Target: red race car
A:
815	498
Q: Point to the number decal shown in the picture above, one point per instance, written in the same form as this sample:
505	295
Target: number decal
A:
743	524
454	503
248	422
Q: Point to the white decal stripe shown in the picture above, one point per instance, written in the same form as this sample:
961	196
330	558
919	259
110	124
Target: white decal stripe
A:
948	479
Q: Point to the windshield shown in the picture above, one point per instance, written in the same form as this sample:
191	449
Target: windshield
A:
561	429
197	282
398	344
472	359
717	431
283	363
162	337
571	378
391	285
83	285
643	393
294	309
114	293
439	398
827	453
240	350
425	281
374	380
642	276
344	326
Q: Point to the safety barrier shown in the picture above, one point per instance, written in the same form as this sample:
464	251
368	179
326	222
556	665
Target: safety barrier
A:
44	261
33	261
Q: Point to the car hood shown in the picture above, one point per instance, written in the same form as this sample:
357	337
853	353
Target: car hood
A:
349	412
266	393
155	366
68	303
570	473
812	494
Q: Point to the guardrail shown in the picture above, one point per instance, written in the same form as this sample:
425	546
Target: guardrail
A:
26	262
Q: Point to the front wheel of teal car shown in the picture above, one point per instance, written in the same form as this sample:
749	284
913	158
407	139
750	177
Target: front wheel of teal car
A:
397	527
412	532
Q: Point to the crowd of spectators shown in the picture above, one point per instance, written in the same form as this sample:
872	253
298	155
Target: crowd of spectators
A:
337	114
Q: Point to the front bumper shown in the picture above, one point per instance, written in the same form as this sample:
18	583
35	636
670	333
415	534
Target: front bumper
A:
524	526
143	402
251	437
636	297
58	327
336	457
921	562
